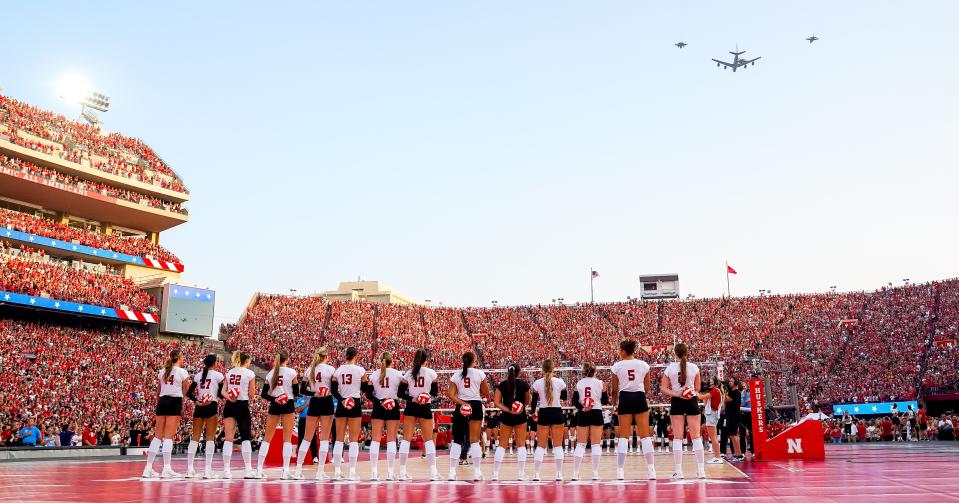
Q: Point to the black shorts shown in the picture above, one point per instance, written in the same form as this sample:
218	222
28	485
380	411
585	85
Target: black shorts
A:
320	406
239	411
513	420
169	406
847	429
662	430
205	411
632	402
922	426
589	418
279	409
684	407
385	415
477	406
550	416
356	411
418	410
732	424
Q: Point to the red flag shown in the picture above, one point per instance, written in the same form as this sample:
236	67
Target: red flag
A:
730	270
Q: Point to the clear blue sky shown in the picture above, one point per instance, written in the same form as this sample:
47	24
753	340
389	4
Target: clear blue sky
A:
471	151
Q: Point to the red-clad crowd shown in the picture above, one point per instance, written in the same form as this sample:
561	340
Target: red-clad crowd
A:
942	368
504	335
88	145
107	190
30	273
46	227
581	333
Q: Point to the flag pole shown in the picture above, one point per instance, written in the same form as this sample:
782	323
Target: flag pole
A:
728	295
592	278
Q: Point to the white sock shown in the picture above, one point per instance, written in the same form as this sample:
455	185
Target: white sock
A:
167	453
498	459
210	447
227	455
678	454
596	451
324	448
390	456
287	454
430	447
374	456
246	449
621	445
264	449
455	451
153	450
558	455
354	455
476	452
538	456
191	454
521	453
700	453
578	454
648	450
404	454
337	454
301	453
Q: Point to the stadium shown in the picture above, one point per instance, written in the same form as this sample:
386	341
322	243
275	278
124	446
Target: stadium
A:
109	334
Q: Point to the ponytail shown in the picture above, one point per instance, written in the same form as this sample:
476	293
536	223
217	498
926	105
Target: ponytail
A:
239	358
548	367
589	369
385	361
419	358
319	357
208	364
175	356
512	372
468	359
681	352
281	358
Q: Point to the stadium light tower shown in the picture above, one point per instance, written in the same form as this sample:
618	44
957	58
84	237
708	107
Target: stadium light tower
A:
495	303
75	89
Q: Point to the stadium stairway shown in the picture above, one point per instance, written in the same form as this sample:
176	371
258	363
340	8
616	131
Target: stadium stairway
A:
933	326
602	311
546	337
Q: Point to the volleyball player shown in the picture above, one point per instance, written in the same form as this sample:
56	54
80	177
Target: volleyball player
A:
512	397
280	389
345	385
629	383
240	386
382	387
205	389
550	425
468	388
174	382
317	387
417	382
589	420
681	381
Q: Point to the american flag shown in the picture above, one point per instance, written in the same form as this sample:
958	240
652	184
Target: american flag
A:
595	274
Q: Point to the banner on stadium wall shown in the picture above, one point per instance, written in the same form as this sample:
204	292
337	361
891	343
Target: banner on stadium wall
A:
860	409
73	307
757	401
39	180
90	251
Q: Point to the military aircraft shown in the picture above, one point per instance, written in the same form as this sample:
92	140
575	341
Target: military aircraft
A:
812	39
680	44
737	62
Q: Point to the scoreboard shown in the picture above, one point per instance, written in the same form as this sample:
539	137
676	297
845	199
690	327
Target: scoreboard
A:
659	286
187	310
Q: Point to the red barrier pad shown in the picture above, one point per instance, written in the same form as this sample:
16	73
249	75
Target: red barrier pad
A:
275	455
803	441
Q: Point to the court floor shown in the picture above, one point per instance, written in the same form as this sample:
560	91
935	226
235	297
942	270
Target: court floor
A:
867	472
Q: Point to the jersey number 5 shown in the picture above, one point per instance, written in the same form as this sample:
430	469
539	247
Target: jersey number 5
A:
631	374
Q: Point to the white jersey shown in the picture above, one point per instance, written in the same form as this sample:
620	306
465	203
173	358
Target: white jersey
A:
284	383
539	387
208	385
390	384
631	374
322	375
173	384
423	382
590	387
349	377
239	378
468	388
672	371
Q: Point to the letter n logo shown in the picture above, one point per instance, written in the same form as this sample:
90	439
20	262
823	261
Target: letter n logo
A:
794	445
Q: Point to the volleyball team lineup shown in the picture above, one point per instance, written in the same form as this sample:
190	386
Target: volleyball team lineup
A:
336	395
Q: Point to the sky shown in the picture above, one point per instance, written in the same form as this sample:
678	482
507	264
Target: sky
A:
466	152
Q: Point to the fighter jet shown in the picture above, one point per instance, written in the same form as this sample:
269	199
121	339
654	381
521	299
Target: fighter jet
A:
737	62
680	44
812	39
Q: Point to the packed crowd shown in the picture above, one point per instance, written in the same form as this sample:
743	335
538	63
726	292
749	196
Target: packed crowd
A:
46	227
30	274
943	365
73	141
107	190
504	335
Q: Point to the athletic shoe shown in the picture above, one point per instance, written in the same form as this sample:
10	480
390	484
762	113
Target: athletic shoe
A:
168	473
434	476
495	476
574	477
737	459
352	475
150	473
260	474
452	475
595	476
715	461
227	474
190	474
521	476
477	476
286	475
651	472
337	474
374	476
296	476
559	477
249	474
298	473
321	476
390	477
208	474
701	473
536	477
677	476
403	476
620	474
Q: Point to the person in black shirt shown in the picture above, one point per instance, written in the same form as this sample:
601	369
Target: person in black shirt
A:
733	398
512	397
